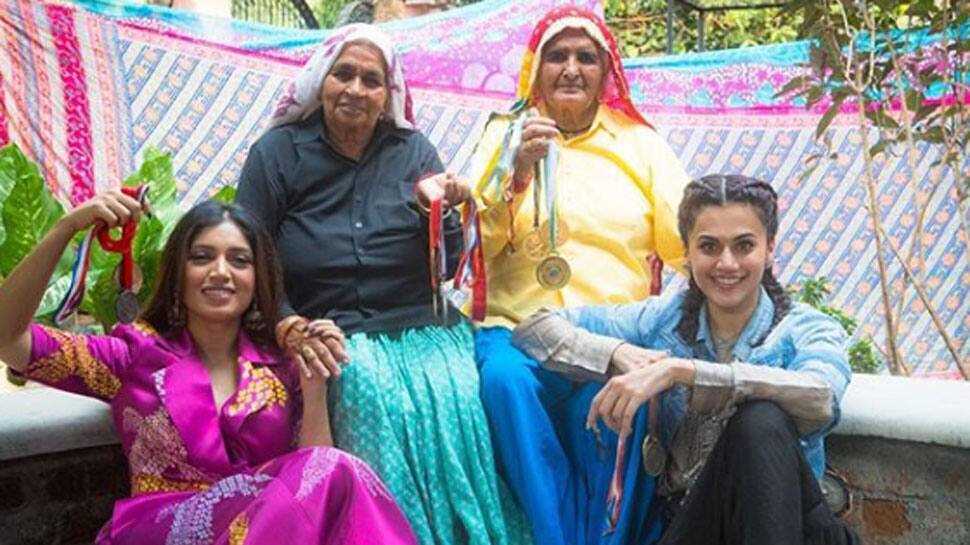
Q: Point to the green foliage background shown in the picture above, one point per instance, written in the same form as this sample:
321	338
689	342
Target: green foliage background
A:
640	25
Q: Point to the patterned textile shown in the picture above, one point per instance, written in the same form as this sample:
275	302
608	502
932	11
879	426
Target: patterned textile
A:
136	75
205	476
425	443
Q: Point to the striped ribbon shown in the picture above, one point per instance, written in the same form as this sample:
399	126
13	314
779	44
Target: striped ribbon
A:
615	497
471	269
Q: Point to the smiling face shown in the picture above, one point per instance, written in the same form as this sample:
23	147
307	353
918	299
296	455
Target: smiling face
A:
728	251
571	74
219	276
354	91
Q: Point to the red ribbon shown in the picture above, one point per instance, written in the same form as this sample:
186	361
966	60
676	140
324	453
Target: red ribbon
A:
123	245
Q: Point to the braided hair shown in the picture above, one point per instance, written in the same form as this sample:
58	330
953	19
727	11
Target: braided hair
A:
720	190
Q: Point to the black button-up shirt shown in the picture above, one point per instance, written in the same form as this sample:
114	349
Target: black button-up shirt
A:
352	244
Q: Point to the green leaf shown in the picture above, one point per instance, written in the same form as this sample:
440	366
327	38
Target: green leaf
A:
914	100
879	147
52	297
795	84
226	195
8	177
827	117
147	250
29	211
102	293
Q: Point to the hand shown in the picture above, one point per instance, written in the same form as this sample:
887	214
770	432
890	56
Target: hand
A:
316	354
445	186
628	357
537	131
618	401
332	336
112	209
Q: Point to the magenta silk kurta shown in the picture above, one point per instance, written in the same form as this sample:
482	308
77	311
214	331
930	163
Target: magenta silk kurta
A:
199	476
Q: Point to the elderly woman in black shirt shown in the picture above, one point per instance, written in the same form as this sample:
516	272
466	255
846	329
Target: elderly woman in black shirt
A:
343	182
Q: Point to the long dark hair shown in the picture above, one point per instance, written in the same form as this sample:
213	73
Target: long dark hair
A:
720	190
166	310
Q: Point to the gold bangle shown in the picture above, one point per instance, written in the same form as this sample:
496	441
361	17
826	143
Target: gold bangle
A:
285	325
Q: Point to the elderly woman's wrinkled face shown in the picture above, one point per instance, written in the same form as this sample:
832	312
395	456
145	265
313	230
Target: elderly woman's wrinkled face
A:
571	72
354	92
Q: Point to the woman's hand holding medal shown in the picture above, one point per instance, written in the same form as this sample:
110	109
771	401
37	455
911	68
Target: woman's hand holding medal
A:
111	209
445	186
537	132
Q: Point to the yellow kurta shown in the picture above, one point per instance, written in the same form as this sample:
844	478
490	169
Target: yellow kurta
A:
619	187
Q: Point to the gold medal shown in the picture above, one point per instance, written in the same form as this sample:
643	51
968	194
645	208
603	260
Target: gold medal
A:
534	246
654	456
562	233
553	273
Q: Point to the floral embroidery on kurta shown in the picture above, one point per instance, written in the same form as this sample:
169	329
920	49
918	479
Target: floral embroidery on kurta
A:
323	462
238	529
145	328
262	389
318	467
157	447
192	524
74	358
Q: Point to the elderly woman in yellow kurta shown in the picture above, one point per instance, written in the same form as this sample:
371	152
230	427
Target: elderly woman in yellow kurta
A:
577	191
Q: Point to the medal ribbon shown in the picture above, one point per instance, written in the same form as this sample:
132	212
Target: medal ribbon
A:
549	165
82	258
471	268
436	255
615	497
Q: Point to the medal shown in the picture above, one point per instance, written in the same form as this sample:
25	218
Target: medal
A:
534	246
127	306
562	233
654	456
553	272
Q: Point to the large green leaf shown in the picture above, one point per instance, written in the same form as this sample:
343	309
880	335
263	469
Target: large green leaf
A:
148	253
102	292
52	297
226	195
8	177
28	212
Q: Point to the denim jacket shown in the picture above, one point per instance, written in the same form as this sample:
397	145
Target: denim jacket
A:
801	364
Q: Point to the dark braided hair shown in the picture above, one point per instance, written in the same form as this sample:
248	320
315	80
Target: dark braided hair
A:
720	190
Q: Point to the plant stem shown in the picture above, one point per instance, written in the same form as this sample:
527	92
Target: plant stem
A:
940	326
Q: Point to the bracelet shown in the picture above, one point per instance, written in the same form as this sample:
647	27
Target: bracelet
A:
285	325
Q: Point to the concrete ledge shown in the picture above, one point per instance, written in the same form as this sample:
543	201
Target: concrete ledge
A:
908	409
43	421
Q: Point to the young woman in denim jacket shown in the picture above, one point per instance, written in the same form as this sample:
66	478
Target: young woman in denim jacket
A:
746	383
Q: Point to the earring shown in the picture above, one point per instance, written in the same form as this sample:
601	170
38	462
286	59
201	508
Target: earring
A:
253	320
175	318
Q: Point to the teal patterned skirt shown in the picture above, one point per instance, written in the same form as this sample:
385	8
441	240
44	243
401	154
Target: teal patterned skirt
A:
408	405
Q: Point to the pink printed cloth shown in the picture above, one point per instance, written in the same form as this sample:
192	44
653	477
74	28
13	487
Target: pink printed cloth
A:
205	476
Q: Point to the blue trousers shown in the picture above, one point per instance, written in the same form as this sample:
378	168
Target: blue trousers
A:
556	469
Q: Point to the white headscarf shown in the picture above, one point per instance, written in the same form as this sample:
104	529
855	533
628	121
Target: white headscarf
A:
302	95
